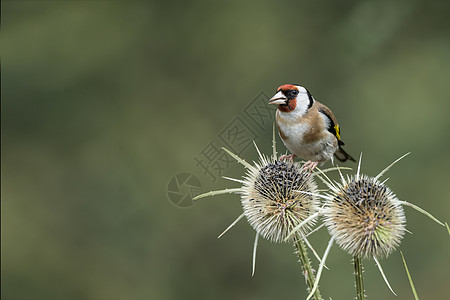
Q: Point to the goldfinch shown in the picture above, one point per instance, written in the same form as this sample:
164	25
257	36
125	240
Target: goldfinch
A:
308	128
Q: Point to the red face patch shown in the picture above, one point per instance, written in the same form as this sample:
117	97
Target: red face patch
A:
286	87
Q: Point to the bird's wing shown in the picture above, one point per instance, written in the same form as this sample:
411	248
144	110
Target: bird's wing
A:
333	126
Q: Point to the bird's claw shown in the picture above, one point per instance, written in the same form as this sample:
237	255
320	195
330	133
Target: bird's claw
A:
310	165
286	157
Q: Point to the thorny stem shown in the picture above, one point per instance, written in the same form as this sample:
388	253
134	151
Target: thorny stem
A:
357	262
306	265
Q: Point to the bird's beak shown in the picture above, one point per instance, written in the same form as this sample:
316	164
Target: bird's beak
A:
279	98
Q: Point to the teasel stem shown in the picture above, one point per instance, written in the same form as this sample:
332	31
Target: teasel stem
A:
357	262
306	266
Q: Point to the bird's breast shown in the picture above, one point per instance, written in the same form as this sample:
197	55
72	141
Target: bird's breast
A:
292	132
305	137
293	128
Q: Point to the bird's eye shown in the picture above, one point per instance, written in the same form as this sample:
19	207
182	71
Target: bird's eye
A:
292	94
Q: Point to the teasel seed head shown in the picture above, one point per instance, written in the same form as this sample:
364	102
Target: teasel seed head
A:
277	196
365	217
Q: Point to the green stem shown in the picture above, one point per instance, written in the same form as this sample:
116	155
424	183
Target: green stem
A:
306	265
357	262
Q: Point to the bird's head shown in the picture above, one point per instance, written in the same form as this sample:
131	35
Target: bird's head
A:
290	97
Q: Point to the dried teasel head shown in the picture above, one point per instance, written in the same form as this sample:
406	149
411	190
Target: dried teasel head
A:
277	196
365	217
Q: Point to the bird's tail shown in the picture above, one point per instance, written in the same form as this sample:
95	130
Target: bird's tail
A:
341	155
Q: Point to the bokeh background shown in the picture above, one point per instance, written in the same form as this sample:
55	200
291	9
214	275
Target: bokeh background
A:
103	102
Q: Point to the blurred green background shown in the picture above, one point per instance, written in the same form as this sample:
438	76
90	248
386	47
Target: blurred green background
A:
103	102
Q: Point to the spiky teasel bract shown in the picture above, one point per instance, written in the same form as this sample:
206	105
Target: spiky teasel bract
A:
277	196
365	217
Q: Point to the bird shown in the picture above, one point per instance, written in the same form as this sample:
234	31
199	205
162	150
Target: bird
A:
308	128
